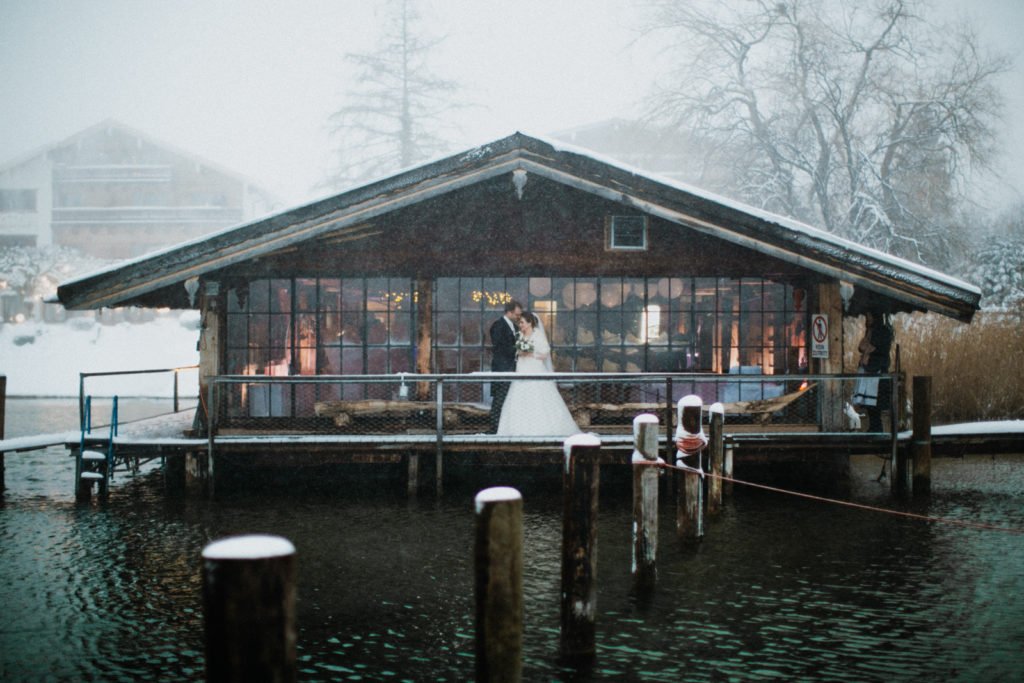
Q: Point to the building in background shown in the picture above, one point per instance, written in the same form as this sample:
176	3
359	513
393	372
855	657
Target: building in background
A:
113	192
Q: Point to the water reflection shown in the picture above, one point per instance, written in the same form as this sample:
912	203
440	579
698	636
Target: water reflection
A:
780	589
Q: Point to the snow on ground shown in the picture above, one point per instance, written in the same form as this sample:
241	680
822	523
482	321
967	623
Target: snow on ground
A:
44	359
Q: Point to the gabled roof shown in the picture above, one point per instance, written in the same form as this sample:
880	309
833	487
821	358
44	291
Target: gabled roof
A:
909	286
115	124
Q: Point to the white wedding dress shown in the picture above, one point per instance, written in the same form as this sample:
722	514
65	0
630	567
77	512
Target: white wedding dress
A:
534	407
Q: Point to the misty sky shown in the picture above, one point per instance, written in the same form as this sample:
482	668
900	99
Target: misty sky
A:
249	84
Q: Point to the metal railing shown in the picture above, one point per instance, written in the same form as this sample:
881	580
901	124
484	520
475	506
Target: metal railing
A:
441	405
175	386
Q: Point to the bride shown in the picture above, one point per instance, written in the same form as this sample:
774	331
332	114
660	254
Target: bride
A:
534	407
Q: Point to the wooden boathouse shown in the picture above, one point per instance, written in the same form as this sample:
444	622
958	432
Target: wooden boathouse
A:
358	323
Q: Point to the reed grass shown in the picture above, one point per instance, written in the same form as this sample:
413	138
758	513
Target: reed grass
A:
977	370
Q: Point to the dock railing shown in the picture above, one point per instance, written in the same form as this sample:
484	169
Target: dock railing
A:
172	389
445	405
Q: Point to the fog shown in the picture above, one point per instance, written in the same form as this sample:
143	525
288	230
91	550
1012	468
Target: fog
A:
250	84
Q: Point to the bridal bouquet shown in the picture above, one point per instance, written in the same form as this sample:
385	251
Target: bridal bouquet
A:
523	345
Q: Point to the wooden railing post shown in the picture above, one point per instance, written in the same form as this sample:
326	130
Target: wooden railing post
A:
498	566
249	608
580	482
645	500
716	454
922	436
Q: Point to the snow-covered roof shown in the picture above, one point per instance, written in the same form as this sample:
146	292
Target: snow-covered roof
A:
158	276
134	132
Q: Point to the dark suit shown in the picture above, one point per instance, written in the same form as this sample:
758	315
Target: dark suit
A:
503	359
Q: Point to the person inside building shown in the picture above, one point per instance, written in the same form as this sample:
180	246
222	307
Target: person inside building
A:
875	348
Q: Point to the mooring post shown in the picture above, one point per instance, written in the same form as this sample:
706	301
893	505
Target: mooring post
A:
249	608
580	482
922	436
3	420
689	481
645	500
727	465
900	468
716	454
498	563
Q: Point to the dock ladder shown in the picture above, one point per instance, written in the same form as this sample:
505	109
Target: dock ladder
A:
95	461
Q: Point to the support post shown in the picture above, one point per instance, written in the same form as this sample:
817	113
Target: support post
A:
580	482
424	325
3	420
439	453
922	436
716	454
498	563
413	473
645	501
829	301
174	473
249	608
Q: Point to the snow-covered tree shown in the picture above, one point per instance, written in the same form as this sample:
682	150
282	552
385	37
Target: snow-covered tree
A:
994	261
399	110
863	118
35	272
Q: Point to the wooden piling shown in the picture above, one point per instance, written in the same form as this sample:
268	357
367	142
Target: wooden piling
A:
498	562
174	473
249	608
645	501
413	474
727	464
3	420
716	454
689	503
580	482
922	436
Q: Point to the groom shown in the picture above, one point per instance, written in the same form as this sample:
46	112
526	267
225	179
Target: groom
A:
503	356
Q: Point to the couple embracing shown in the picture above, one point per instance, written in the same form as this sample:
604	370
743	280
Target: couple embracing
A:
525	407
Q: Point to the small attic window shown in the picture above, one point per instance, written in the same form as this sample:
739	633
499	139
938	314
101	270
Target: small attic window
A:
627	233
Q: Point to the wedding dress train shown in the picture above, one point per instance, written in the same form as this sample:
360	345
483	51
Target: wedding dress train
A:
534	407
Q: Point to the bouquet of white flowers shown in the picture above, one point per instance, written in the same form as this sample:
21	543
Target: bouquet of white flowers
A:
523	345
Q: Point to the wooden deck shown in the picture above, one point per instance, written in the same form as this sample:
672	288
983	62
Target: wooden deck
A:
168	435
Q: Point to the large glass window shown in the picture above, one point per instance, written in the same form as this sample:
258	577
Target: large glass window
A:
356	326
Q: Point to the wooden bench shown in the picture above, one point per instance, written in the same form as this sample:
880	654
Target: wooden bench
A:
344	413
586	414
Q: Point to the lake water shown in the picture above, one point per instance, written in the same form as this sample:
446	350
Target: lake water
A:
781	588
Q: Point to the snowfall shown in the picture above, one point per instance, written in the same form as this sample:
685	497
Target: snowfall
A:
46	359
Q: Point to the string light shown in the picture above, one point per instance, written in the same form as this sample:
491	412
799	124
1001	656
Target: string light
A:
492	298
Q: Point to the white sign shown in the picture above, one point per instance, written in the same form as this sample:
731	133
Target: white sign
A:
819	336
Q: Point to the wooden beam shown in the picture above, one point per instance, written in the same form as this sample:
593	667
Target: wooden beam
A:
424	338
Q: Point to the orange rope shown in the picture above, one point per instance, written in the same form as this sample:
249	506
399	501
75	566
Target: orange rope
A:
846	503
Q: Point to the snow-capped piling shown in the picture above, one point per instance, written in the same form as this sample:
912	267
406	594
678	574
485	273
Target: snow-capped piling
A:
690	442
498	568
249	609
716	455
645	500
579	547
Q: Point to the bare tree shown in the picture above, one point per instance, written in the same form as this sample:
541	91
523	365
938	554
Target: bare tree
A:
397	112
864	119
